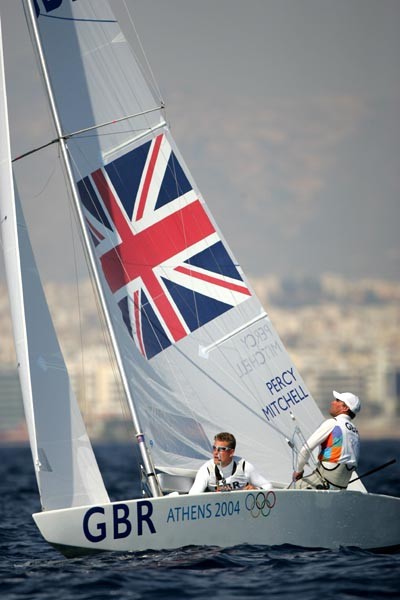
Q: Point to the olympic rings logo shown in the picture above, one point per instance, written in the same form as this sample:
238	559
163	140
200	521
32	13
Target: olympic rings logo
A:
260	504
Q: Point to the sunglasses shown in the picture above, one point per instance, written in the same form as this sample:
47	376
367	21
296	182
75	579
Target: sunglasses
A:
221	448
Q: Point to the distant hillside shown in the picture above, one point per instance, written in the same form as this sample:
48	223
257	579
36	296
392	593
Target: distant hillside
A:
294	292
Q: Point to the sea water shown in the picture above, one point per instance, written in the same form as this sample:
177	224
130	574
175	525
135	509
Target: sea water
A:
31	569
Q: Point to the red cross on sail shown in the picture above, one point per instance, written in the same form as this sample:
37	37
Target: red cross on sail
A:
152	245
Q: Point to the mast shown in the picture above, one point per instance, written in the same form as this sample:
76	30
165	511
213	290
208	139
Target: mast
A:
147	461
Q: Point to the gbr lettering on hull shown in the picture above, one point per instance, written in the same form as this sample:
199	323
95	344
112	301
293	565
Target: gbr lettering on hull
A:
97	528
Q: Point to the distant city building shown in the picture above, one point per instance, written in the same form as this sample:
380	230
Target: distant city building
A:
340	334
100	395
394	385
330	380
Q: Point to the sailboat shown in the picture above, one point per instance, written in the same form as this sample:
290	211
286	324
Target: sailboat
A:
195	349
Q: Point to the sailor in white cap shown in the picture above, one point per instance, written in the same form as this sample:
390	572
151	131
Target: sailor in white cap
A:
339	443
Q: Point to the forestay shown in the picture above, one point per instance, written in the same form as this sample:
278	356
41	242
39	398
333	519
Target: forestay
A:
65	466
199	352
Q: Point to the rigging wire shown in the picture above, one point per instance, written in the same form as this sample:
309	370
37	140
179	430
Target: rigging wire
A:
134	89
82	401
147	62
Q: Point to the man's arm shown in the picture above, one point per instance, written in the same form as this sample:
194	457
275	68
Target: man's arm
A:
319	435
255	480
200	483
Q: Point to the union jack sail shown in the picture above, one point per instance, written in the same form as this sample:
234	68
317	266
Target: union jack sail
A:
160	254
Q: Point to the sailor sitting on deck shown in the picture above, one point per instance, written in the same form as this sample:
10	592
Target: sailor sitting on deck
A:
224	473
340	444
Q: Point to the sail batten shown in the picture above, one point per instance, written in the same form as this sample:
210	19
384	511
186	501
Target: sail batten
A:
112	122
130	142
205	350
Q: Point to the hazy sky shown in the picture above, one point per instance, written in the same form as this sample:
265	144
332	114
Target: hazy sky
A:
287	113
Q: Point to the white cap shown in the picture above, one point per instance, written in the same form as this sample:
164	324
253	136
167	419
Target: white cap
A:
351	400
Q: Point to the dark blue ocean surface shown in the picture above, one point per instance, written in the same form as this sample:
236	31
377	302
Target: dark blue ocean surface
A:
30	568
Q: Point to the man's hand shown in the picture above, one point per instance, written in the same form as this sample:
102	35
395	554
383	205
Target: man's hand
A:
297	475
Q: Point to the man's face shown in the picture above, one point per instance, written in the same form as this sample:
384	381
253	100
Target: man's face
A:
222	453
337	408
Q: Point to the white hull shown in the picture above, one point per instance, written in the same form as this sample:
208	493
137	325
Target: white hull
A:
307	518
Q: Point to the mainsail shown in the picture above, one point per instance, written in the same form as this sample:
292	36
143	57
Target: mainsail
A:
198	351
65	466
